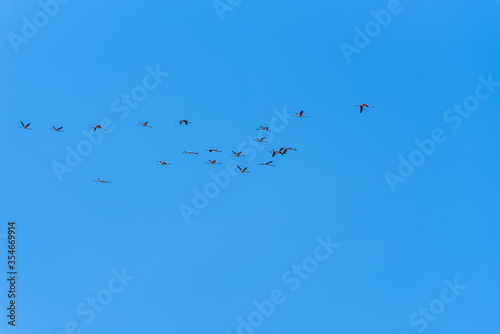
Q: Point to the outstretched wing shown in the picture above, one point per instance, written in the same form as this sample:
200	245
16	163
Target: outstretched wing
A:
238	167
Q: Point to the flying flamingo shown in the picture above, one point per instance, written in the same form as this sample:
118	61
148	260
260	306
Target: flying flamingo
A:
214	150
144	124
212	162
243	170
265	128
25	126
237	154
56	129
300	114
189	152
361	106
163	163
102	181
185	121
260	140
98	127
267	163
274	152
288	149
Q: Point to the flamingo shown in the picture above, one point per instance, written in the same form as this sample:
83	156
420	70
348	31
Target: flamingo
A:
288	149
214	150
56	129
98	127
163	163
267	163
25	126
237	154
102	181
189	152
260	140
212	162
144	124
243	170
300	114
274	152
361	106
185	121
265	128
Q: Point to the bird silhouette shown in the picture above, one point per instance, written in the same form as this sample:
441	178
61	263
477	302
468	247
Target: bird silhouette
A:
300	114
243	170
102	181
361	106
212	162
26	127
237	154
145	124
56	129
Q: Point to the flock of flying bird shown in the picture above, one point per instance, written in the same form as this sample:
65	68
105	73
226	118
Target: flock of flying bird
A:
282	151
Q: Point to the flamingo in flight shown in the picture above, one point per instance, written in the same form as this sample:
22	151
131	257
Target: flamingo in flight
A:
214	150
102	181
212	162
189	152
288	149
145	124
98	127
243	170
25	126
274	152
163	163
300	114
56	129
267	163
185	121
361	106
237	154
265	128
260	140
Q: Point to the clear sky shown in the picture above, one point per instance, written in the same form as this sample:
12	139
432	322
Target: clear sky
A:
382	222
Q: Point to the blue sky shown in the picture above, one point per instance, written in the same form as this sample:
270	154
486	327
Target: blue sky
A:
400	244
